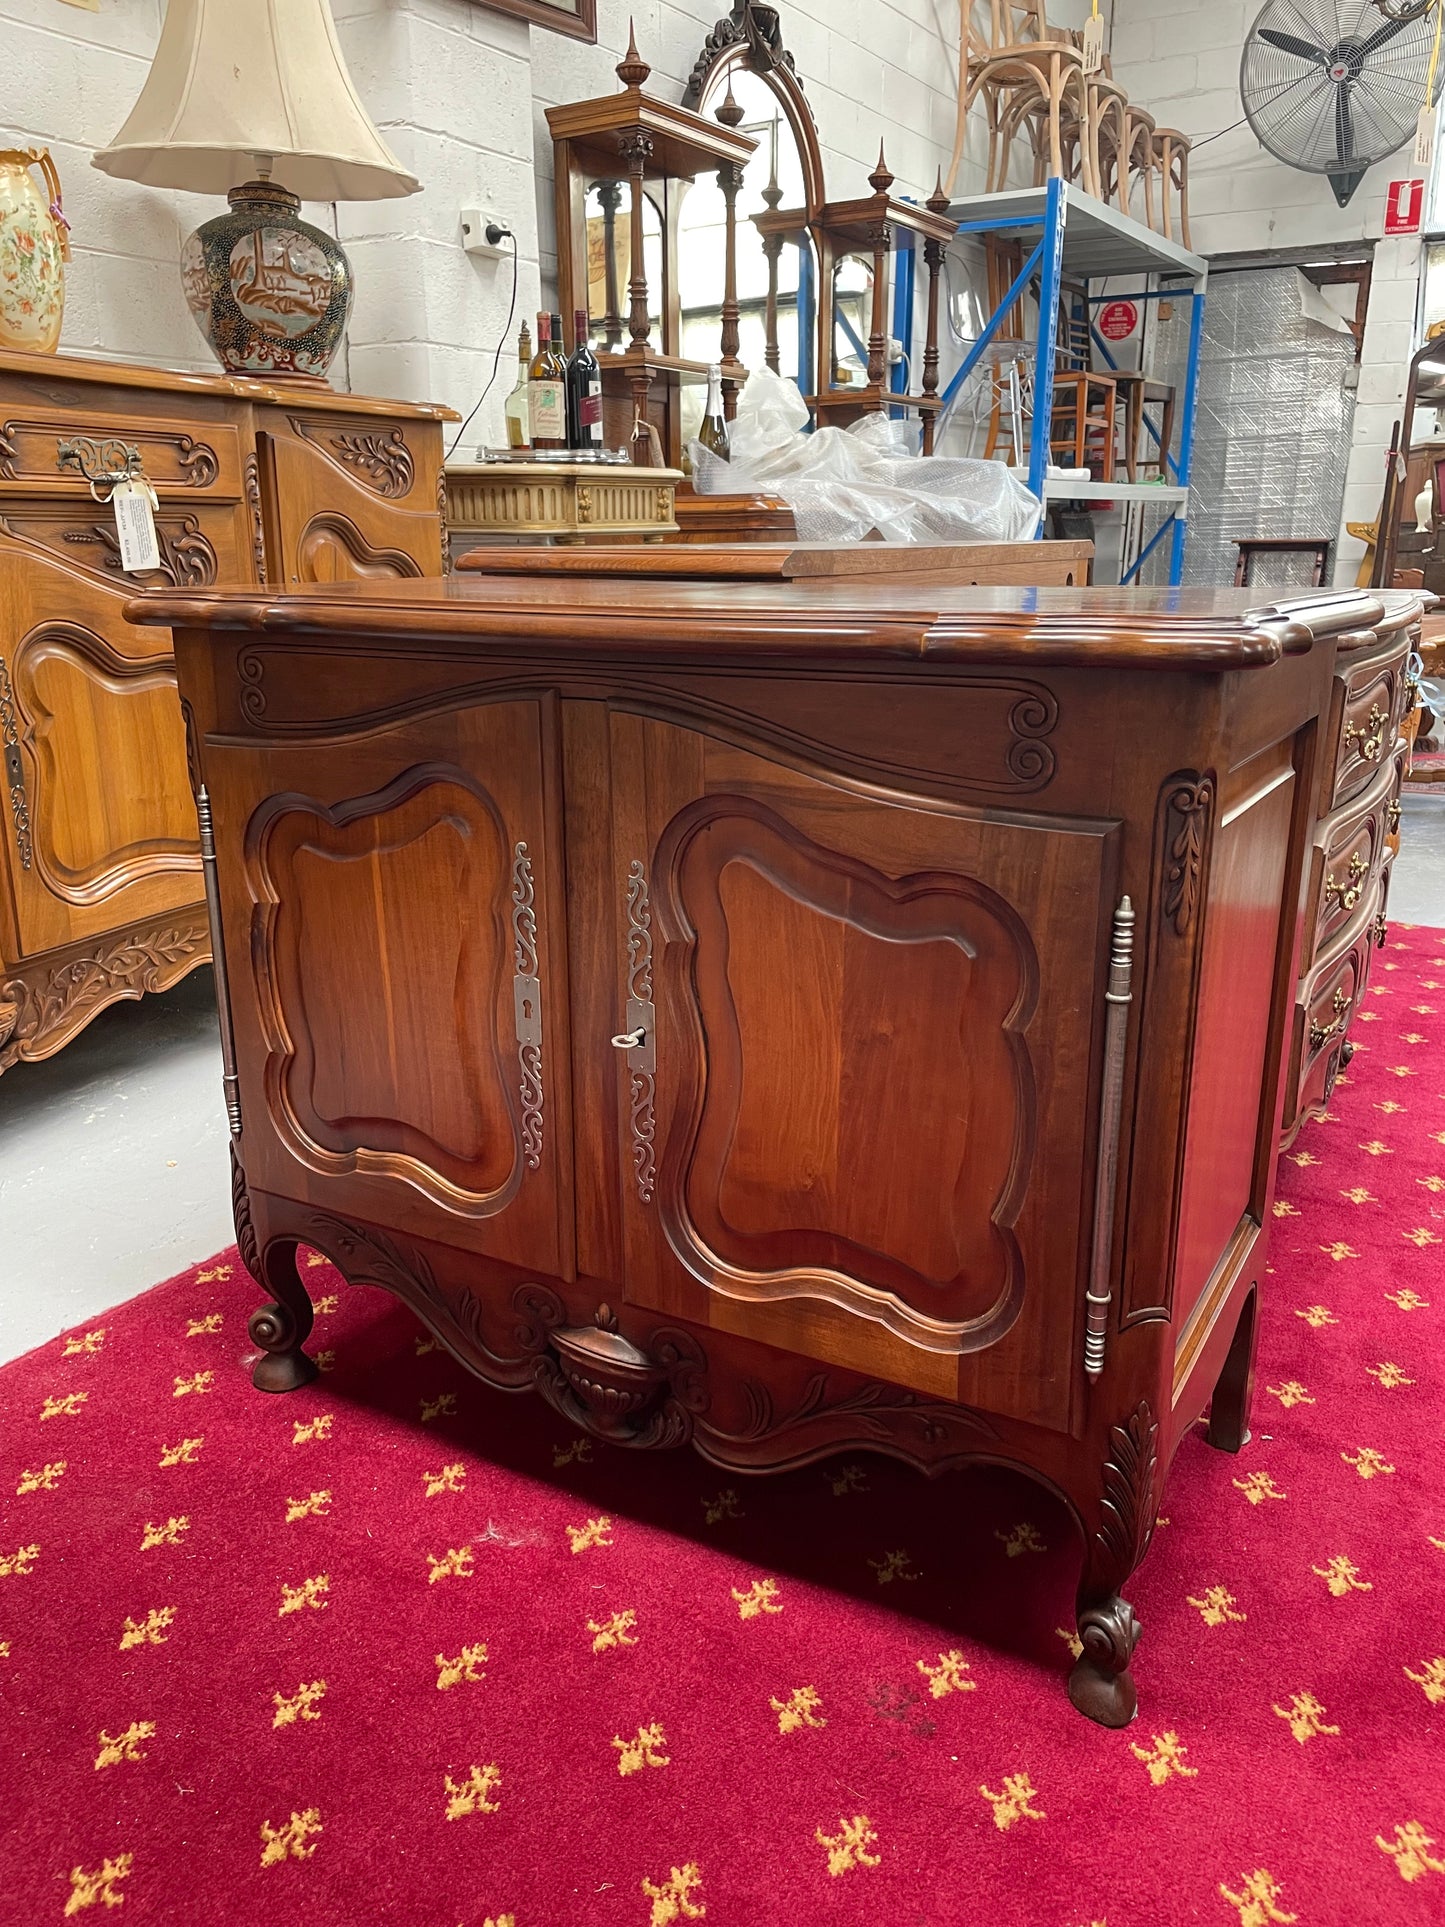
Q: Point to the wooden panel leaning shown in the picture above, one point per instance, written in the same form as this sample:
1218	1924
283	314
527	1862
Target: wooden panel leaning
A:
101	891
785	1017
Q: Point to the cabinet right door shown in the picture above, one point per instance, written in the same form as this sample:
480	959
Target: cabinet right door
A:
853	1042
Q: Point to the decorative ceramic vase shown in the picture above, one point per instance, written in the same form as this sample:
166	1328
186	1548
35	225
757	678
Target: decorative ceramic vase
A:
33	252
270	293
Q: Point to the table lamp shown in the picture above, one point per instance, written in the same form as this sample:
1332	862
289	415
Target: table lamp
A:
234	92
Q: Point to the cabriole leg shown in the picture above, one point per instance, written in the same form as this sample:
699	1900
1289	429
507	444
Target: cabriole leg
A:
280	1329
1101	1685
1118	1520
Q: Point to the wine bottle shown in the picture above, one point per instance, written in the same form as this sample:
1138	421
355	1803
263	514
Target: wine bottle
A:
546	390
518	411
584	389
713	433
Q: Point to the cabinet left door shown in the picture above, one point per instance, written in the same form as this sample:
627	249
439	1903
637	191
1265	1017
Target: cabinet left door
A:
392	916
102	829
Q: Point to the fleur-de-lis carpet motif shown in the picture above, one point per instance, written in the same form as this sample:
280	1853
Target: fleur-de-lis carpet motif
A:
400	1648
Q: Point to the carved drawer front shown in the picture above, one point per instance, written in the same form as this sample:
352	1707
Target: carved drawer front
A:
45	451
1349	858
97	767
1329	1005
843	1028
1368	705
198	542
390	934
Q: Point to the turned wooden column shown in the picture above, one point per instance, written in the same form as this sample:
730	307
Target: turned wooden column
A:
637	152
730	180
933	252
772	253
609	193
880	236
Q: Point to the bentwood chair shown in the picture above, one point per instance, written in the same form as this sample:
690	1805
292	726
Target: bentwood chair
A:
1029	76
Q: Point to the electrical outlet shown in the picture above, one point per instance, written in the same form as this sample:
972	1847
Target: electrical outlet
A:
475	222
895	351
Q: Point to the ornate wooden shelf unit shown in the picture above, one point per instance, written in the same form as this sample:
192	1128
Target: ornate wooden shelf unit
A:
657	149
881	996
100	876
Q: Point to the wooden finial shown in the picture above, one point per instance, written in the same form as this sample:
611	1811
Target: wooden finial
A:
880	180
730	113
632	69
937	202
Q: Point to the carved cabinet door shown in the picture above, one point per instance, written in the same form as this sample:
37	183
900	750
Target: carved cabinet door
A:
349	501
393	935
101	828
846	1023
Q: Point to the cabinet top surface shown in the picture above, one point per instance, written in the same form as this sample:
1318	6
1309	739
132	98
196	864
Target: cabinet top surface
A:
301	395
850	619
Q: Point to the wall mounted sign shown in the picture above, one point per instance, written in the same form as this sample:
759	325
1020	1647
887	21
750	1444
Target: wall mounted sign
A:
575	17
1404	206
1118	320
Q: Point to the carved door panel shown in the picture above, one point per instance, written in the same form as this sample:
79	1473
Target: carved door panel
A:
102	827
851	1024
351	501
405	1031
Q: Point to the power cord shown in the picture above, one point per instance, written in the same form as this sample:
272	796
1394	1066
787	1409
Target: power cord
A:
495	236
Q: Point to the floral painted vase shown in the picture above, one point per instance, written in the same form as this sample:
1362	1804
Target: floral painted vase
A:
33	252
270	292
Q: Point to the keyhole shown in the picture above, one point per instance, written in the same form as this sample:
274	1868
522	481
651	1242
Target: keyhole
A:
527	1009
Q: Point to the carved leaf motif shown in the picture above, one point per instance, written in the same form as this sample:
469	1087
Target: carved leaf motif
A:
187	559
1186	831
241	1212
258	525
879	1411
7	453
384	460
1128	1483
198	462
137	961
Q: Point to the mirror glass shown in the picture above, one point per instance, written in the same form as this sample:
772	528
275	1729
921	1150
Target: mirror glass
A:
609	216
852	319
701	252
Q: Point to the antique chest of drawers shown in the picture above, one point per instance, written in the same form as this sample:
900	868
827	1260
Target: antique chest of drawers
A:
100	865
788	1018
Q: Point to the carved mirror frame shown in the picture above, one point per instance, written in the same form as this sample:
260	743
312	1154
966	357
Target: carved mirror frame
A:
751	36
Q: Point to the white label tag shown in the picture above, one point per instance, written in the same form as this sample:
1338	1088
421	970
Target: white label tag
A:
1425	137
1093	43
135	526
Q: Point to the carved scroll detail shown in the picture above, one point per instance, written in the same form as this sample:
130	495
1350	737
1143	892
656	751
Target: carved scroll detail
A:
14	769
241	1212
643	1081
252	474
251	668
383	460
1188	814
187	559
7	453
197	460
757	26
527	992
442	518
1117	998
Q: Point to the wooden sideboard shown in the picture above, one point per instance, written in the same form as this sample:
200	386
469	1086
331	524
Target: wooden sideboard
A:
100	876
787	1018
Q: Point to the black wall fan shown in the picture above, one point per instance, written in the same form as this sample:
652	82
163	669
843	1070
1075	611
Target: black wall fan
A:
1332	86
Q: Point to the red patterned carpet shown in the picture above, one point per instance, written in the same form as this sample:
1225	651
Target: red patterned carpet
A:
398	1649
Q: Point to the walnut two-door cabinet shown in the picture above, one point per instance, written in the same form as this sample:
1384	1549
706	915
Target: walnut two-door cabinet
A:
100	863
779	1018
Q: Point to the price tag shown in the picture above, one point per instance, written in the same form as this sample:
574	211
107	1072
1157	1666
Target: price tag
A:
1093	43
134	502
1425	137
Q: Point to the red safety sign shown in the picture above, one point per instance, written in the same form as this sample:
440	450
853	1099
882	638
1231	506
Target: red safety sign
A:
1118	320
1405	206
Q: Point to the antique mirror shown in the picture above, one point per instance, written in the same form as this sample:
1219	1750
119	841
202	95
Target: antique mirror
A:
744	57
609	264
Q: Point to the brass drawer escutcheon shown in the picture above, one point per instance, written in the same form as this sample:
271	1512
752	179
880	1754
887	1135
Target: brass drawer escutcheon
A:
1347	893
1320	1034
1369	736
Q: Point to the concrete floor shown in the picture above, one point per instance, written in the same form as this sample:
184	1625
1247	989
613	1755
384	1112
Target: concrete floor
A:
113	1166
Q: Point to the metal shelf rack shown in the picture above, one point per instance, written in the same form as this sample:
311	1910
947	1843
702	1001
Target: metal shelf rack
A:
1076	237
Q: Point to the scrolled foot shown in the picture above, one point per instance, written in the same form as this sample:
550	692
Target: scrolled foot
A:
284	1366
1101	1685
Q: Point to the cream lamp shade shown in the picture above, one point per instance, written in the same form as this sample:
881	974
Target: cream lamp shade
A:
246	87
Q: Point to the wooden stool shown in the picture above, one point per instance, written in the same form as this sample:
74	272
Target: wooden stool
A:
1083	415
1138	392
1171	163
1250	546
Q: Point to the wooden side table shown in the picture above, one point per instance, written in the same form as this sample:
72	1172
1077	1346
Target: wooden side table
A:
1250	546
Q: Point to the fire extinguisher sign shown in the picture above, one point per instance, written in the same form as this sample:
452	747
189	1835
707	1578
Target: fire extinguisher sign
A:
1405	206
1118	320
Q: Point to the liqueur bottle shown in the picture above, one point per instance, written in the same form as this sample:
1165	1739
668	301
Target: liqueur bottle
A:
547	390
713	434
584	389
519	413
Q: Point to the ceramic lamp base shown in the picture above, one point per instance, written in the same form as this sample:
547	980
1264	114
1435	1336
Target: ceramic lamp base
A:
270	292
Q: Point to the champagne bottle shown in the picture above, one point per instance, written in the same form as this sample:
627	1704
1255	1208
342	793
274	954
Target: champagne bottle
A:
584	389
546	390
519	413
713	434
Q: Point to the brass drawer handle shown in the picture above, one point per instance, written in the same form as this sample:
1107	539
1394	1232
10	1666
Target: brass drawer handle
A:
1381	930
1393	815
1347	894
1320	1034
1415	669
1368	736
